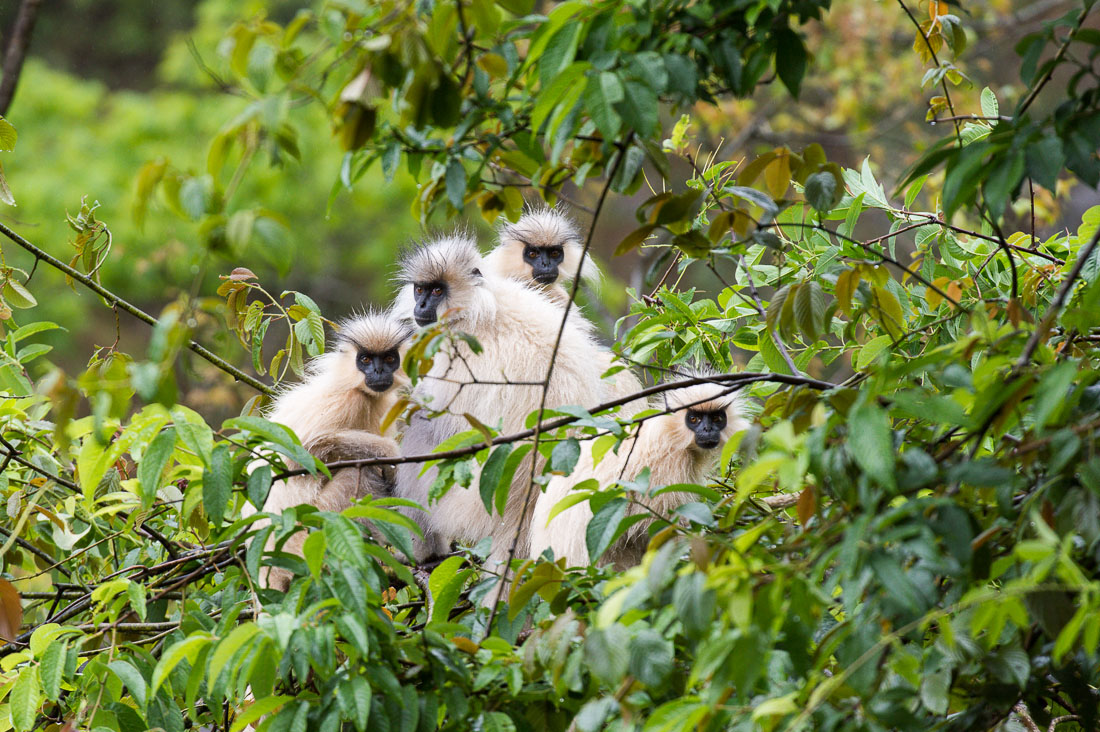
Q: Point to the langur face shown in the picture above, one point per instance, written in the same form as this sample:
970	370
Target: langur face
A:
428	296
544	262
378	368
707	427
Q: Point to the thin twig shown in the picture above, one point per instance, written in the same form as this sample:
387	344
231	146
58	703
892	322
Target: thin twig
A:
137	312
1053	63
549	374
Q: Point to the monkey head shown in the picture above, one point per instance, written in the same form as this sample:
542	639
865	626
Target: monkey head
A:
372	342
702	417
442	277
543	247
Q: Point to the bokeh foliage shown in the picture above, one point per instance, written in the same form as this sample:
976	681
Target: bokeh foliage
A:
935	567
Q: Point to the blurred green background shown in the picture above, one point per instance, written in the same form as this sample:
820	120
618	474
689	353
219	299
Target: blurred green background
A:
111	85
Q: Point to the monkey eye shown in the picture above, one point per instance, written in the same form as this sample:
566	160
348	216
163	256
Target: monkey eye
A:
391	358
693	418
531	253
364	356
555	254
437	291
419	290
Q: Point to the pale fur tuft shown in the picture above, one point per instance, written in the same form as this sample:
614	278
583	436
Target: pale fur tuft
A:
666	446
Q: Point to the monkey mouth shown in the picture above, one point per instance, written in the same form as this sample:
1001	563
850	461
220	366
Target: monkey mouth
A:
380	384
546	278
707	443
422	320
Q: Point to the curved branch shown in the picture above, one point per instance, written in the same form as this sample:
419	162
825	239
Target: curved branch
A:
741	380
137	312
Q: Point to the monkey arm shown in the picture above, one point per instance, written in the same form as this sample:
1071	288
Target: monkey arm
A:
351	445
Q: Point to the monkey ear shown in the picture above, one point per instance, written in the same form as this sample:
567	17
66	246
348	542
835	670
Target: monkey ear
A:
476	272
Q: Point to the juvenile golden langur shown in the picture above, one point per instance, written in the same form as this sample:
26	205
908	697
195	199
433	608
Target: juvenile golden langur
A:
544	249
337	412
678	447
516	328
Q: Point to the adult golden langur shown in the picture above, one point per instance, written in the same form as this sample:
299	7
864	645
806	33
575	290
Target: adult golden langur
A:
337	412
545	249
499	385
680	446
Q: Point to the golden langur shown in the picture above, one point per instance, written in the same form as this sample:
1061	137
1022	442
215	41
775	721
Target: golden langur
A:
516	327
337	412
544	249
678	447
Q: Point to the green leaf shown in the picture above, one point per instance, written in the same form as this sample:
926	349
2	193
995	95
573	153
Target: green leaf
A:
564	456
135	591
823	191
133	679
188	648
446	584
604	528
871	444
1052	392
990	108
651	657
227	648
809	310
607	653
491	474
344	539
259	485
283	438
790	60
25	699
1003	179
8	136
153	463
257	709
217	483
456	183
52	668
870	350
602	93
500	496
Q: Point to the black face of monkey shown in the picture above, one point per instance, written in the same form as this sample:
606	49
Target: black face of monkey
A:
428	295
544	262
707	427
378	368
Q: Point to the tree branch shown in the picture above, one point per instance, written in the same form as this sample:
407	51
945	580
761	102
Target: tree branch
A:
116	301
17	51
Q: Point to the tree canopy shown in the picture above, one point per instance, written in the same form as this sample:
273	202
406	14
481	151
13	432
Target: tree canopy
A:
906	538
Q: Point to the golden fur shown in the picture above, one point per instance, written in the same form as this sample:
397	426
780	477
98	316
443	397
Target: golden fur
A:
666	446
516	326
337	417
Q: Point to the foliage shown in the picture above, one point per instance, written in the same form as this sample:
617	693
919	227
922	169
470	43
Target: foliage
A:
927	412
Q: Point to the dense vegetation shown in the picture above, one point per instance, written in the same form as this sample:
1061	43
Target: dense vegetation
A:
907	537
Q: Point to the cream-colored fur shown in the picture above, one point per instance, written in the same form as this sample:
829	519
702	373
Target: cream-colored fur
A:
666	446
516	327
544	227
337	417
